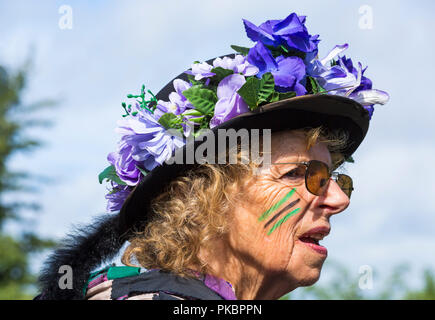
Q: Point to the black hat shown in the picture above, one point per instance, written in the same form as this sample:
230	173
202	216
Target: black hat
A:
308	111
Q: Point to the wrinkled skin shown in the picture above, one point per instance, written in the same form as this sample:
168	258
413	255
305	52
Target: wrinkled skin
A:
262	266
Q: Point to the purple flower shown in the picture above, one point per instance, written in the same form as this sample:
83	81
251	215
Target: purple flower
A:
144	142
370	97
177	102
116	197
201	70
336	79
261	57
230	103
366	83
125	165
290	31
363	93
287	72
239	65
290	72
342	78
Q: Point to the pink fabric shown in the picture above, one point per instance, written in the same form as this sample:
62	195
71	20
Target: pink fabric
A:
97	281
220	286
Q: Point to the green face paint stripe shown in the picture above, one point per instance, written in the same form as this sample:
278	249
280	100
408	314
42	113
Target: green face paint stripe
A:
277	205
280	222
286	208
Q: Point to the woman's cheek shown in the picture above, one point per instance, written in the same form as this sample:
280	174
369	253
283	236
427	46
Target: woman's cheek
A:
263	194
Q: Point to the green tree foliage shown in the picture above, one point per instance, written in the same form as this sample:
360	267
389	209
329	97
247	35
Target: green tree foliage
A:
342	286
428	290
16	250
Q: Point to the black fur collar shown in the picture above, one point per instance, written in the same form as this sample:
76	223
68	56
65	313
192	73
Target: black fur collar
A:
85	249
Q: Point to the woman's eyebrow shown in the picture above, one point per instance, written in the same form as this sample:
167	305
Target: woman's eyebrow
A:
297	158
284	167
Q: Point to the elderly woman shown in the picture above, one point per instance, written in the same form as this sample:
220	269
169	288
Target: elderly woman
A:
258	232
221	230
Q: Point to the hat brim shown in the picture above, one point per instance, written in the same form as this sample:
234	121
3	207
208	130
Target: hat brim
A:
329	111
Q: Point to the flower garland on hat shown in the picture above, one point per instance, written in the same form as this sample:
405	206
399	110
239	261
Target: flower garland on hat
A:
282	64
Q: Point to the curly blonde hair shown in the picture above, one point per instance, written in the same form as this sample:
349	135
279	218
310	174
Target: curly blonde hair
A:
193	211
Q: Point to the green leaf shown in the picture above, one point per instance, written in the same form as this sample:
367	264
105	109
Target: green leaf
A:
142	171
203	100
286	52
249	92
259	91
274	97
220	74
267	88
169	120
283	48
204	125
296	53
192	80
197	119
242	50
110	174
191	112
313	86
350	159
287	95
277	96
277	51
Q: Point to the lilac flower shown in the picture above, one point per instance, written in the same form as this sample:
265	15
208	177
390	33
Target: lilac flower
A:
290	31
116	197
177	103
125	165
201	70
287	72
230	103
239	65
144	142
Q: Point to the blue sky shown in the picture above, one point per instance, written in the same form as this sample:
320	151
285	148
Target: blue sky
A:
115	47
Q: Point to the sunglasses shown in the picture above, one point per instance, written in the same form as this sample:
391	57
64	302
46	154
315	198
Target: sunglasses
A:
317	175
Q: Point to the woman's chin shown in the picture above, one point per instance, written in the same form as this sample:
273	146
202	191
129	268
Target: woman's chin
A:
307	275
307	264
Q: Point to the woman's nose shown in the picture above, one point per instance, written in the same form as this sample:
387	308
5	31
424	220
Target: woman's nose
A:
334	198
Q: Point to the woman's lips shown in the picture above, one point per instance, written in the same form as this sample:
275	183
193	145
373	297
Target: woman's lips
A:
315	246
312	237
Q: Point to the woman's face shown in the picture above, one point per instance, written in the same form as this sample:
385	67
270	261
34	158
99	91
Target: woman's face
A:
278	223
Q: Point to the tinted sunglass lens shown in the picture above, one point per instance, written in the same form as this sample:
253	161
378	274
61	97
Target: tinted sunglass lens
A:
345	183
317	177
